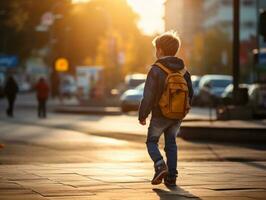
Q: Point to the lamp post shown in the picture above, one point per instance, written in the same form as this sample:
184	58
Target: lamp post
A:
236	47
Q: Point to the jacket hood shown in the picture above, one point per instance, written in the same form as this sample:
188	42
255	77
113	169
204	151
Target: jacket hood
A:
171	62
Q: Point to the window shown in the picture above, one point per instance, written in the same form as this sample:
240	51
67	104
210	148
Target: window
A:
248	2
226	2
249	25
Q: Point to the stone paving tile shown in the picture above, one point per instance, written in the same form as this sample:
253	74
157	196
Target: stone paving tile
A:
230	186
9	185
103	187
73	198
23	197
226	198
118	179
83	184
63	192
20	191
35	182
162	194
130	181
66	177
229	193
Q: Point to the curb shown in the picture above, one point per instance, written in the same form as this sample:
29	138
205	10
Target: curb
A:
220	134
89	110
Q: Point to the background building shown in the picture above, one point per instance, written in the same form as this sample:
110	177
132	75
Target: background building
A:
189	17
185	16
220	13
206	28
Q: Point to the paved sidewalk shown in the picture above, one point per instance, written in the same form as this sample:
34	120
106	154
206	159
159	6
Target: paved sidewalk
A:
40	163
104	181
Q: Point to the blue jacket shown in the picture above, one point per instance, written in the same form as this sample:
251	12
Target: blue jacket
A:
154	86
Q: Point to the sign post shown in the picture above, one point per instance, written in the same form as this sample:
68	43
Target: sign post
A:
61	65
8	61
236	46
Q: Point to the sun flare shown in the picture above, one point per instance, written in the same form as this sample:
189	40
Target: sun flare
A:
151	14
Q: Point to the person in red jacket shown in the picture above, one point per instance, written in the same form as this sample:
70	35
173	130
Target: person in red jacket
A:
42	92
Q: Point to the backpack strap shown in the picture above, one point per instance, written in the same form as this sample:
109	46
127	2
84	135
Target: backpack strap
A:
168	71
165	69
183	71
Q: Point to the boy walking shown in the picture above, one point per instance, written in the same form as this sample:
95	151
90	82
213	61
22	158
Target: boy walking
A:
167	95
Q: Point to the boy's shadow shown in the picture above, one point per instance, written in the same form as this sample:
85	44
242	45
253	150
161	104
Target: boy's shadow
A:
175	193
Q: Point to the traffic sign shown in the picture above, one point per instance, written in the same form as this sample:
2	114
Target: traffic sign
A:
8	61
262	58
61	65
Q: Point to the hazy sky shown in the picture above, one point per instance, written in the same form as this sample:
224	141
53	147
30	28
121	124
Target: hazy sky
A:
151	14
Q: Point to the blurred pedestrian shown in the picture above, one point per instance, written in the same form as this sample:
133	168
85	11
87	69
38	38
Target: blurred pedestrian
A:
11	90
42	93
167	94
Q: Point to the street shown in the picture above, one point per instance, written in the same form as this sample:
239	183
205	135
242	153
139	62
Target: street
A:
87	87
104	157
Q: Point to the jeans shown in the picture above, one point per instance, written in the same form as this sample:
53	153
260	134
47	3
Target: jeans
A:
170	128
42	108
11	101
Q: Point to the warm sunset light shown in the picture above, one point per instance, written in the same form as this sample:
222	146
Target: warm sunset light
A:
132	99
151	14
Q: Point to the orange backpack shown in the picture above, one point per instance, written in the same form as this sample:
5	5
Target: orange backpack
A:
174	102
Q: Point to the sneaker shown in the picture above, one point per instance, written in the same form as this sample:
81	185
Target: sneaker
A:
170	181
160	172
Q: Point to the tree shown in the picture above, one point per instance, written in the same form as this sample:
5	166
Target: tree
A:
93	33
17	27
211	53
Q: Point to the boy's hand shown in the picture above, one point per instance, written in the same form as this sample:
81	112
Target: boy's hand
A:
142	122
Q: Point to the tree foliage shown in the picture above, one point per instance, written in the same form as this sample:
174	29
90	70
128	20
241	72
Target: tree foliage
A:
19	19
211	53
94	33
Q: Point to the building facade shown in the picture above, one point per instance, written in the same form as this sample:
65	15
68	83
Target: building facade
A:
191	16
220	13
184	16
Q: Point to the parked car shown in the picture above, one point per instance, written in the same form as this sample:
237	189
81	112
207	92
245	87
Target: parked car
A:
24	86
68	87
227	95
133	80
257	99
211	88
195	84
2	82
131	98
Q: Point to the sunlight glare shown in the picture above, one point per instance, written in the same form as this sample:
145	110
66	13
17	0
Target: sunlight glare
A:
80	1
151	14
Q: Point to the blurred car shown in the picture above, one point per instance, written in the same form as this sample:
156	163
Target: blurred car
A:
24	86
2	82
211	88
227	95
257	99
131	98
68	87
131	81
195	84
